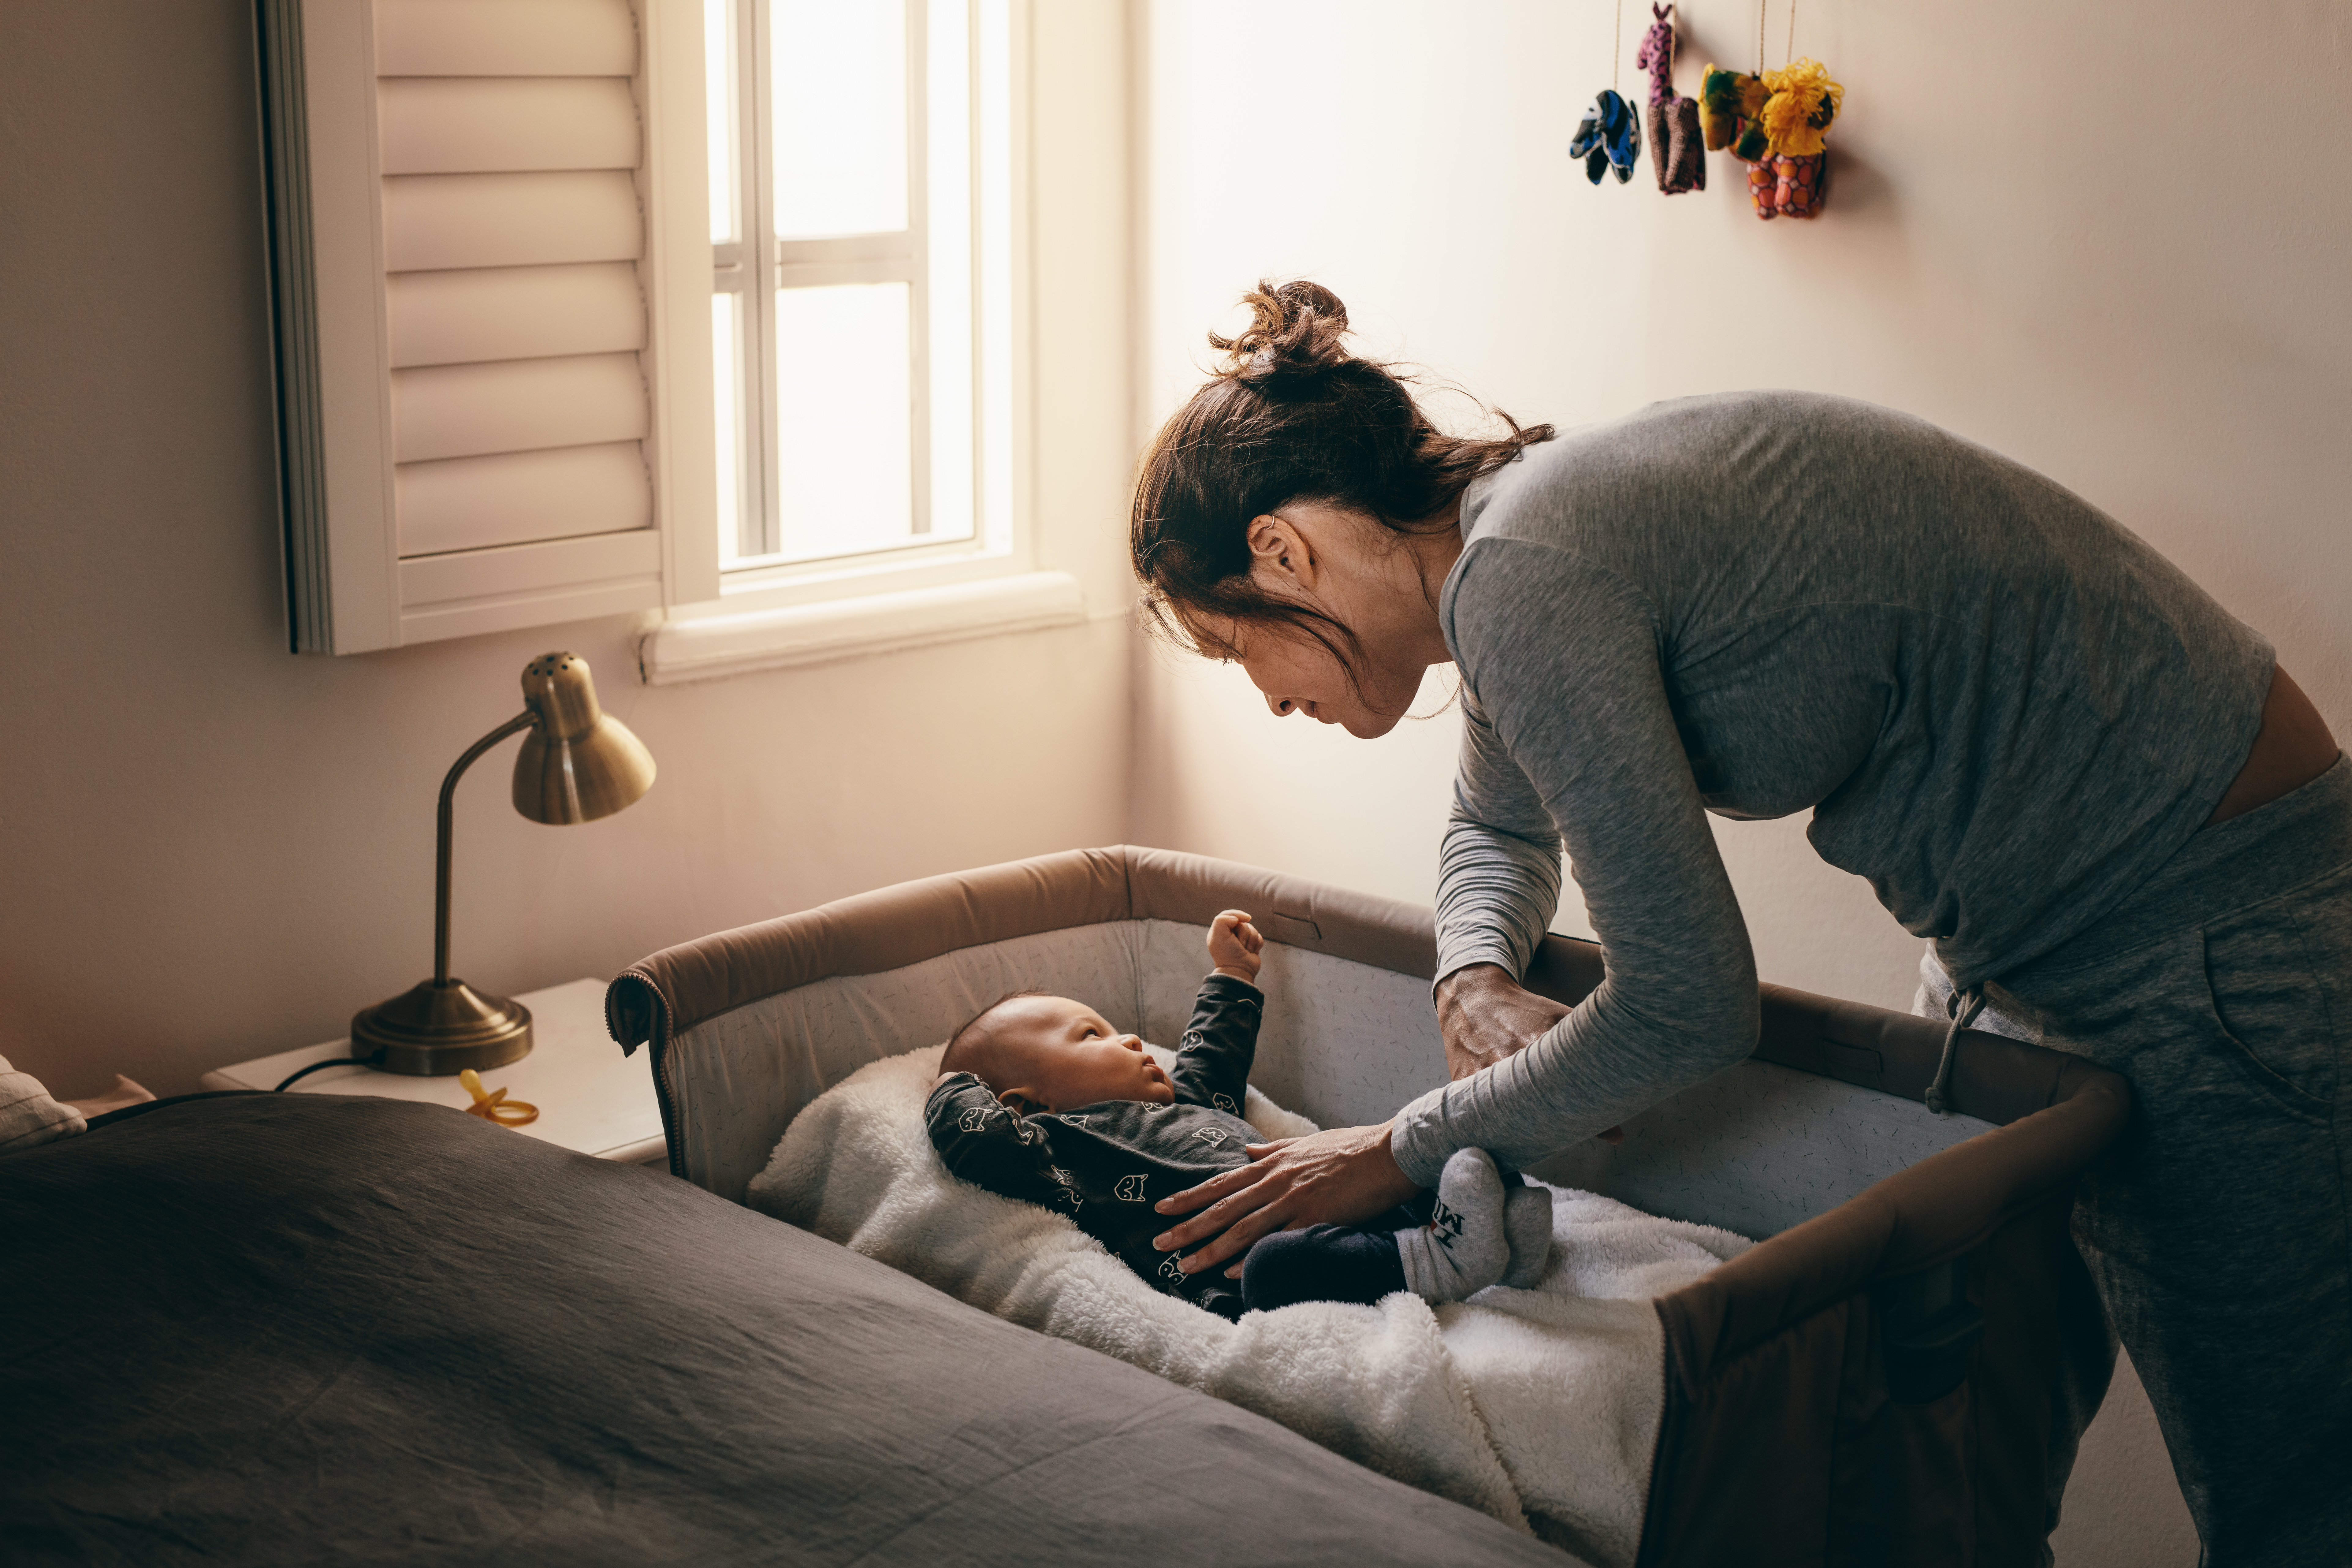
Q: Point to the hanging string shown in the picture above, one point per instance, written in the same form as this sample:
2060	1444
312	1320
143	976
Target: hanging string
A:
1791	57
1759	38
1617	47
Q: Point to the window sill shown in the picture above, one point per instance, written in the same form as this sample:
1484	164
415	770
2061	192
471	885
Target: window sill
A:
709	647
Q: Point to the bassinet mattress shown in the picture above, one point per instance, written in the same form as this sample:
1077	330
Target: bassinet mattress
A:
1538	1406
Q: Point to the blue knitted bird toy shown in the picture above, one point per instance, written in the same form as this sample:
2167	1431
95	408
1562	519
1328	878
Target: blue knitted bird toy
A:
1608	138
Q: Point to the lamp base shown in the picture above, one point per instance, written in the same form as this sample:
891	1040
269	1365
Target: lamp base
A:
435	1030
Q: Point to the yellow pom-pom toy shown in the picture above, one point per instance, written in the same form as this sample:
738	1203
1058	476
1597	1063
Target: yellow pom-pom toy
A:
1802	104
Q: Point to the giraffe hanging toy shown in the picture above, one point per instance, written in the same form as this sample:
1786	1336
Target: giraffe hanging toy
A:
1775	122
1675	152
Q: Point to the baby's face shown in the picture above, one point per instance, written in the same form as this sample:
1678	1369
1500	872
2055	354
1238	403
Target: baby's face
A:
1060	1055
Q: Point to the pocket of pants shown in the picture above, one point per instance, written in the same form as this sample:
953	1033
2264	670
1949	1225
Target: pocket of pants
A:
2273	1008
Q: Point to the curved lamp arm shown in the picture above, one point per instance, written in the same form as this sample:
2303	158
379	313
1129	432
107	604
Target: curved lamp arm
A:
522	720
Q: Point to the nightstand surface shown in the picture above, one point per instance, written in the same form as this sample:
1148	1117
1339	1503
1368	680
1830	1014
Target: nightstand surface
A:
590	1098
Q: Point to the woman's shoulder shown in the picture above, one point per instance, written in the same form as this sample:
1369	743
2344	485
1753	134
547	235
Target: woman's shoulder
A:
1707	430
1671	476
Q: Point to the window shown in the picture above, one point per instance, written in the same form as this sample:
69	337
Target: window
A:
525	377
861	307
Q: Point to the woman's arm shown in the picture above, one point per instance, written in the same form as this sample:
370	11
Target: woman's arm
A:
1565	656
1566	662
1498	889
1498	864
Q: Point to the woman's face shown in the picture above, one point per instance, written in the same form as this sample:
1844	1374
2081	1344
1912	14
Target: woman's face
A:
1349	568
1300	675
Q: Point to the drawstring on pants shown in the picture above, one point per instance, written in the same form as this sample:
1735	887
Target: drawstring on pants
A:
1962	1007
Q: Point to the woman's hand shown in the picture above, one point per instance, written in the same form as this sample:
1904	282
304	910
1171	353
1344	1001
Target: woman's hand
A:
1486	1015
1338	1176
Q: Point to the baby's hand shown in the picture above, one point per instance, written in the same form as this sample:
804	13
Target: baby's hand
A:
1234	945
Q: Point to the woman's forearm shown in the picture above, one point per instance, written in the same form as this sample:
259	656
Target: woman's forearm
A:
1496	893
1498	864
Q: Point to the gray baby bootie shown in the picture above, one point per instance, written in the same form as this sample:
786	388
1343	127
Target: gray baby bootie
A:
1527	1223
1463	1248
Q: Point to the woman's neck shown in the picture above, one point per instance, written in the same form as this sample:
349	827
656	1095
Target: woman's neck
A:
1433	554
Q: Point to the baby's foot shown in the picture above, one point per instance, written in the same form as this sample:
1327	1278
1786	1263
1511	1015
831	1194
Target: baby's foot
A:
1527	1224
1463	1248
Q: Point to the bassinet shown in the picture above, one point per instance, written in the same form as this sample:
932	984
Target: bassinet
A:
1898	1376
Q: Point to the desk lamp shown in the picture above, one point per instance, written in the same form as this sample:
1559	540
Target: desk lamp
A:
576	765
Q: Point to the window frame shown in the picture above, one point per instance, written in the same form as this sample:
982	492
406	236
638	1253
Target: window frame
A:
999	544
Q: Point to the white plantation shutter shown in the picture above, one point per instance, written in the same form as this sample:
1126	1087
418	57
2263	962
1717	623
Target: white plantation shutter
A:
470	213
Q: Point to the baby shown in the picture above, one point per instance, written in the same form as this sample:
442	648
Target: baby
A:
1039	1098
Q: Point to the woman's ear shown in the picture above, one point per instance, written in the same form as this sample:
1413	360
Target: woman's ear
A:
1279	549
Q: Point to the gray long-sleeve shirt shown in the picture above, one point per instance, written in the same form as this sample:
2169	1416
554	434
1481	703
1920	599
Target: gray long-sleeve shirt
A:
2003	710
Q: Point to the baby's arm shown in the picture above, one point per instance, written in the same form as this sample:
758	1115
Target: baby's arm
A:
984	1142
1214	1059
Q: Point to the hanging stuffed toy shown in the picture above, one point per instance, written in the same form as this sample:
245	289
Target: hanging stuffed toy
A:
1609	135
1774	122
1802	104
1729	103
1674	133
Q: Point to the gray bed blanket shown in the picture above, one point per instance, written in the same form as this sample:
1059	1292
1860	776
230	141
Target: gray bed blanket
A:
264	1328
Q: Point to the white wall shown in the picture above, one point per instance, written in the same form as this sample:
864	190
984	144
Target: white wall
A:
211	848
2029	239
2032	237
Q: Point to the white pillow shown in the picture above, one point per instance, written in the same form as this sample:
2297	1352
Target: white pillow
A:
28	1114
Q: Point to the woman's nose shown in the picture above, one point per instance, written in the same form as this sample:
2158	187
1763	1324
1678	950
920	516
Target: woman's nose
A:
1282	706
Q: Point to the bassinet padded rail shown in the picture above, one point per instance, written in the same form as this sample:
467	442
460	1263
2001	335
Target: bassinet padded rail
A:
1899	1373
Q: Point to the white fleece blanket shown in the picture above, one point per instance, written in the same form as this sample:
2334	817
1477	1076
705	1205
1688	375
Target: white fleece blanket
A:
1538	1406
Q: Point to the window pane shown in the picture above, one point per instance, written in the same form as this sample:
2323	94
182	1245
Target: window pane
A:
946	61
727	420
845	395
840	116
719	99
994	234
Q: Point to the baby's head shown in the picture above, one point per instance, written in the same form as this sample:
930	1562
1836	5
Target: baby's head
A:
1049	1053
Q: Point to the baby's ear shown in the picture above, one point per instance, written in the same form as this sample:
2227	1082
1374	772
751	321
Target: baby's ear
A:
1019	1103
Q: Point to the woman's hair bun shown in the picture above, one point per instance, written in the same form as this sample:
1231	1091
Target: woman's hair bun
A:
1293	336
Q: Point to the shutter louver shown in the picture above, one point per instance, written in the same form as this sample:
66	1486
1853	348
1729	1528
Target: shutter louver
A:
508	138
513	313
515	498
467	352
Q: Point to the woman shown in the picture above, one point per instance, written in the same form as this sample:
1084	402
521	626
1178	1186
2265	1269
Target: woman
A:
2049	752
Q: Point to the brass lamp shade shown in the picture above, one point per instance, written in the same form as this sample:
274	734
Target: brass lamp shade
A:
577	765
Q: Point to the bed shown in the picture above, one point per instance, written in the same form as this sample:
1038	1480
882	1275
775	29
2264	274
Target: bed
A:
1899	1373
309	1329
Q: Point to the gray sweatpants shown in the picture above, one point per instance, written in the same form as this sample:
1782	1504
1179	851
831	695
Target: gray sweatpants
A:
2220	1232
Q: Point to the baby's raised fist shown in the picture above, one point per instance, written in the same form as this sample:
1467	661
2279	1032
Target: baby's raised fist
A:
1234	945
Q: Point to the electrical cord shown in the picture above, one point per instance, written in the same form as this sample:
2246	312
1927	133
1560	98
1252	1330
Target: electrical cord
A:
330	1062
